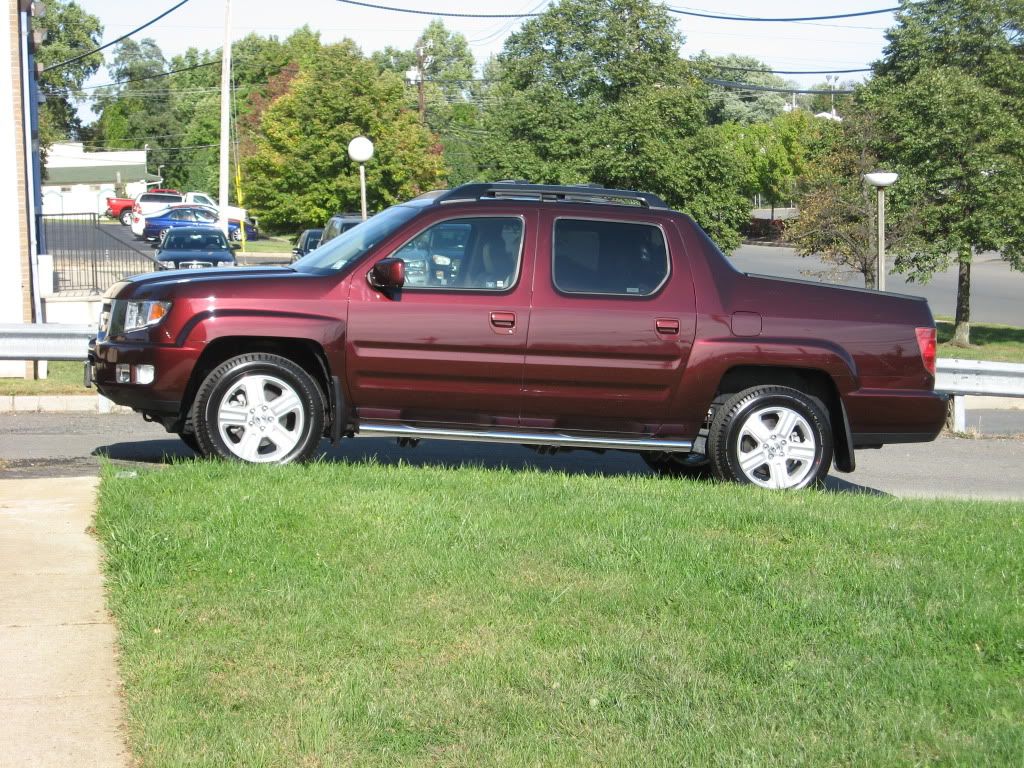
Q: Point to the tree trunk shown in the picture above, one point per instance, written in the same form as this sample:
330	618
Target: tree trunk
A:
962	331
773	210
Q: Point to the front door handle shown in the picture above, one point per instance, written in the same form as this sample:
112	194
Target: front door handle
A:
667	326
503	319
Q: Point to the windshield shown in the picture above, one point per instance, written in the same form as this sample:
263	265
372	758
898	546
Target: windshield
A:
350	245
182	240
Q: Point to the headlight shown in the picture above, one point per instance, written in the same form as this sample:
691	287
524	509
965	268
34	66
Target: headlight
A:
168	265
143	314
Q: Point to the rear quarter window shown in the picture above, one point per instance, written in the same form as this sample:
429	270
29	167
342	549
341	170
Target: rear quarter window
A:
608	258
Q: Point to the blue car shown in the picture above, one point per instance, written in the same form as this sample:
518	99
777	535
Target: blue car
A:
188	216
195	247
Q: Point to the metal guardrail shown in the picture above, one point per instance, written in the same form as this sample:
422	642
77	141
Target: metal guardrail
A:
45	341
958	378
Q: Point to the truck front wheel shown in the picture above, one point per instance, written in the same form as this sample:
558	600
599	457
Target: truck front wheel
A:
258	408
771	436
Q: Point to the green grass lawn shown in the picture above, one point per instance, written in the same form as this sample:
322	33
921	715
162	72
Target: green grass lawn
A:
337	614
63	378
272	244
988	342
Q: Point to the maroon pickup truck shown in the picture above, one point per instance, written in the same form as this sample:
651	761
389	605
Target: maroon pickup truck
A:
552	317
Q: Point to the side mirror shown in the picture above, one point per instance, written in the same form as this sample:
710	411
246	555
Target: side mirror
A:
296	251
387	274
155	244
235	246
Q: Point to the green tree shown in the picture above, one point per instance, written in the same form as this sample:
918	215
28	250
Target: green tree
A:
837	208
595	91
730	105
450	93
772	154
949	101
300	173
69	32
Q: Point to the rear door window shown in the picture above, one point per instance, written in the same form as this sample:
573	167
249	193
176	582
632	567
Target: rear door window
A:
609	258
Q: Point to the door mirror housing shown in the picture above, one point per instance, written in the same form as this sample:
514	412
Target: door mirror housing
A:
387	274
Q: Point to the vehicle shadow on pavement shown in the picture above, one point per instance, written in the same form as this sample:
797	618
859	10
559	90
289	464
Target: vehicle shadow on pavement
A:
444	454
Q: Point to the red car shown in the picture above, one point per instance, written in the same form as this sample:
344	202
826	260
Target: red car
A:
120	208
554	317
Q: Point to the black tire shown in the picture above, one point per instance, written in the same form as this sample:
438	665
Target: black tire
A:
189	439
126	217
692	465
292	435
797	458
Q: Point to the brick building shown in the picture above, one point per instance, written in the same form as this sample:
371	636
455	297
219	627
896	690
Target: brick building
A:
16	193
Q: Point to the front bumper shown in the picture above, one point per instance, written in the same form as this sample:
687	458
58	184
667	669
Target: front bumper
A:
164	396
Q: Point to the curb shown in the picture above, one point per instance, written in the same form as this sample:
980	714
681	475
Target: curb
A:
59	404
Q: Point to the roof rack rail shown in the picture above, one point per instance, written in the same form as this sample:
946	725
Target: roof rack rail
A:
579	193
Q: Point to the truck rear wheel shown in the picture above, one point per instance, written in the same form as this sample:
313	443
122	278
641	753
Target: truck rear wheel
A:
126	217
259	408
771	436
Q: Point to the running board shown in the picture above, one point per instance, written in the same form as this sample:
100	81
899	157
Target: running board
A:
524	438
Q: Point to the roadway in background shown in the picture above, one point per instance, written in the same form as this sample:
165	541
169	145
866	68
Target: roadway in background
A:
997	292
44	445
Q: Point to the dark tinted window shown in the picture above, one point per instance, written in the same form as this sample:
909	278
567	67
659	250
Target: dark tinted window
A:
472	254
192	240
608	257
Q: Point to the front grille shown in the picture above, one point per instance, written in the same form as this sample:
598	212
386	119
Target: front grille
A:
194	264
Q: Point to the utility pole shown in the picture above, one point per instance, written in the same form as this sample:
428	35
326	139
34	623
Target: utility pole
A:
421	66
225	122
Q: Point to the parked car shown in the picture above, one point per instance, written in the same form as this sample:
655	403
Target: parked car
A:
308	241
159	222
195	247
149	203
120	208
578	318
338	223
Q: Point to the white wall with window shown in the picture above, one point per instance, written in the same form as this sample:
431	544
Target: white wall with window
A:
77	181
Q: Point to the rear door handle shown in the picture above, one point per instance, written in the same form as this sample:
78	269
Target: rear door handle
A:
667	326
503	319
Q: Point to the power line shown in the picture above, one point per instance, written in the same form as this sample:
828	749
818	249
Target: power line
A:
152	77
784	71
720	17
753	87
115	40
450	14
679	11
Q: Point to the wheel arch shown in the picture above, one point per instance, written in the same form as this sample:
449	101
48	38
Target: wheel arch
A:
814	382
306	353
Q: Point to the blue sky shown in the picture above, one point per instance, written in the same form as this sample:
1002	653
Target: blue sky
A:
842	44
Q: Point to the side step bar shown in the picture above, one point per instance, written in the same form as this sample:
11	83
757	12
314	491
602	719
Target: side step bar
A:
524	438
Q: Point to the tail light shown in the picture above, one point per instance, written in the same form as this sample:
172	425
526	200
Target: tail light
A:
136	208
926	343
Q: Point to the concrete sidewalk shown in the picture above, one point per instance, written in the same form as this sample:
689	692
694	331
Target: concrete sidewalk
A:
60	699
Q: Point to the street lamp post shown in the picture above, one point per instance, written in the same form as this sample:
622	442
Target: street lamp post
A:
880	180
360	149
